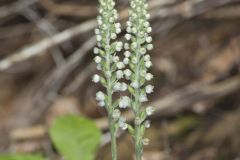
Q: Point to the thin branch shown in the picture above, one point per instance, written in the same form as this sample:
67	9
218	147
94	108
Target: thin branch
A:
39	47
16	7
69	9
46	29
49	90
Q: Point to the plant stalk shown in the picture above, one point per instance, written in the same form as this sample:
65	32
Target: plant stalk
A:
110	111
138	143
113	139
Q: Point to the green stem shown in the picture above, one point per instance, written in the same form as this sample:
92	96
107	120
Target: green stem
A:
110	111
111	123
138	137
113	139
138	143
110	101
111	120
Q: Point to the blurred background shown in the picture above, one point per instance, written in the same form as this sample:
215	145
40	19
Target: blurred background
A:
46	64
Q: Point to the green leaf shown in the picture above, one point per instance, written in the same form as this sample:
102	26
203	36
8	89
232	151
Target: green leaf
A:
131	90
76	138
20	157
131	129
103	81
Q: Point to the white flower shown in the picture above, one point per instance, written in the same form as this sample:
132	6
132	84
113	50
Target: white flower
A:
148	16
116	114
119	46
143	73
129	24
118	30
99	21
96	78
149	47
145	141
115	59
113	3
117	86
134	84
147	124
148	64
148	76
115	16
128	36
104	27
119	74
118	25
149	89
111	19
127	54
141	34
123	87
126	60
126	46
137	121
149	39
99	67
122	123
134	30
107	46
134	45
147	57
113	36
101	103
124	102
120	65
143	50
98	59
146	24
149	29
95	50
143	98
134	60
127	72
99	38
128	29
149	110
133	5
99	44
97	31
100	96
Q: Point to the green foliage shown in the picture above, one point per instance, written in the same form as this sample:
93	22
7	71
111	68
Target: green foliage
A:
76	138
185	124
20	157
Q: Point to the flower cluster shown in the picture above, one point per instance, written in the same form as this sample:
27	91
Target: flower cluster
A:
134	67
139	42
109	66
106	59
